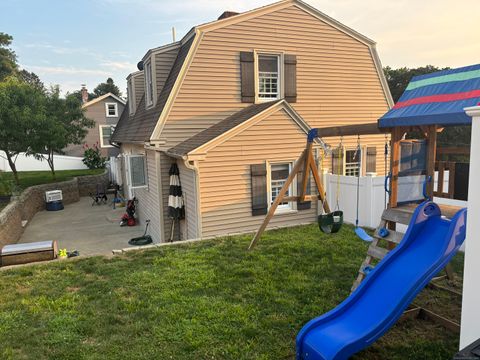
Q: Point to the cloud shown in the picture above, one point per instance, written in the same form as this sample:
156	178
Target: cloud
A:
64	70
119	65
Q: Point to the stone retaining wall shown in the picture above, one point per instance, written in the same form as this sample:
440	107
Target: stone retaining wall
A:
32	200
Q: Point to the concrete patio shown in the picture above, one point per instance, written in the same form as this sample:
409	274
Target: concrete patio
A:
92	230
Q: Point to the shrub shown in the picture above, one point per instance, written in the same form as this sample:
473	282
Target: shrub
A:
92	157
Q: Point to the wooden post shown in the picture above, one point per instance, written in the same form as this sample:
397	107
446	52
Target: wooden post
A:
278	199
431	155
306	170
318	182
397	134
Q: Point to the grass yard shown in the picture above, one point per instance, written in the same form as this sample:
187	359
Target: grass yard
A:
30	178
208	300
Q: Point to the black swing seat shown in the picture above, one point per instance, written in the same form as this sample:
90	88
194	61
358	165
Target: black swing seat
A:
330	223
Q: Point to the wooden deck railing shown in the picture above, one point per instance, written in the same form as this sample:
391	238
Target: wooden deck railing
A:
441	167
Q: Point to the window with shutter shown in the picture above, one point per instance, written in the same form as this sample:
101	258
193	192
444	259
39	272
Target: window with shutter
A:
278	177
247	73
290	70
371	165
258	175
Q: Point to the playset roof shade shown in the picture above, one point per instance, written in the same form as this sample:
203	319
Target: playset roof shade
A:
436	99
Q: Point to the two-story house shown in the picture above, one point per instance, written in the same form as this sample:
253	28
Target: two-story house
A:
231	104
105	110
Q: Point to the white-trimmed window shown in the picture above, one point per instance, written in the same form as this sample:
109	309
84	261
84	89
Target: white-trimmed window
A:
278	176
353	162
137	171
148	84
111	109
269	80
106	132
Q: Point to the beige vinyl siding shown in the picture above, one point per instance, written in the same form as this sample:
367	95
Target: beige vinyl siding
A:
139	86
148	198
163	64
337	82
189	189
225	176
97	112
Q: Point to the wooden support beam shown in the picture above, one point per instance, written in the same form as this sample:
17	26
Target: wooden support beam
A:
318	182
431	156
347	130
306	170
279	198
397	134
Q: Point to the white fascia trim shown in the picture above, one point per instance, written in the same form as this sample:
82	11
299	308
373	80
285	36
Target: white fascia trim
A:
134	74
161	49
100	98
381	76
176	87
282	104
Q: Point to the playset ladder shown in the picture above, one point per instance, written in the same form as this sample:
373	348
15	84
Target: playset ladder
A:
380	246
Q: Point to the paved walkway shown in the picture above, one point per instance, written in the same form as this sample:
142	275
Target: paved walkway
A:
92	230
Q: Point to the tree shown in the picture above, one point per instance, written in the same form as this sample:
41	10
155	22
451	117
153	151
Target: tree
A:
32	79
22	107
107	87
65	123
398	79
8	59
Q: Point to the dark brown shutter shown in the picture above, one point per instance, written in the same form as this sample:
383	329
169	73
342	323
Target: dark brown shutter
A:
371	160
305	204
290	69
248	76
337	162
258	174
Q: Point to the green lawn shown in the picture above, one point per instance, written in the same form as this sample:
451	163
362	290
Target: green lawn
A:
208	300
30	178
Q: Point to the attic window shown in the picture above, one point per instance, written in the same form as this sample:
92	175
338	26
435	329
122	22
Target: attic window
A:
149	83
111	109
268	77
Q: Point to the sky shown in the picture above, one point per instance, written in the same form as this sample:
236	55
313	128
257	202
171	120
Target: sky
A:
74	42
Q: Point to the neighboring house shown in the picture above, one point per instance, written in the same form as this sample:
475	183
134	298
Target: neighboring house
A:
232	102
105	111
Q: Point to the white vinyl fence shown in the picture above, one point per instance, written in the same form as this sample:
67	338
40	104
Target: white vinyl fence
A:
29	163
372	196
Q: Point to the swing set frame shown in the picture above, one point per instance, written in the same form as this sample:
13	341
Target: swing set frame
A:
306	161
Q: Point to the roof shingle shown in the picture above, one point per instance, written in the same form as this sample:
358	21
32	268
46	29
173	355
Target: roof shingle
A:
139	127
218	129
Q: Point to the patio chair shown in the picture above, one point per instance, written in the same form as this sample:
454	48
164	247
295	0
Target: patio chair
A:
100	197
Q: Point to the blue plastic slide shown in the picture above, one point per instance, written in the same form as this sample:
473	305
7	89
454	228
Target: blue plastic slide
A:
427	247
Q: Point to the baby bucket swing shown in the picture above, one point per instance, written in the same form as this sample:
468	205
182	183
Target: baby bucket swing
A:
331	223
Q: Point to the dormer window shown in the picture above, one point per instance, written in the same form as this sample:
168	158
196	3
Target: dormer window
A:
148	83
268	77
111	109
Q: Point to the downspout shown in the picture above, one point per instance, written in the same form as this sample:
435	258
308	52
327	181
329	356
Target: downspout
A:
193	165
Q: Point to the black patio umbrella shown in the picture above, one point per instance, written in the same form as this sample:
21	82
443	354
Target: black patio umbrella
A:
176	208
